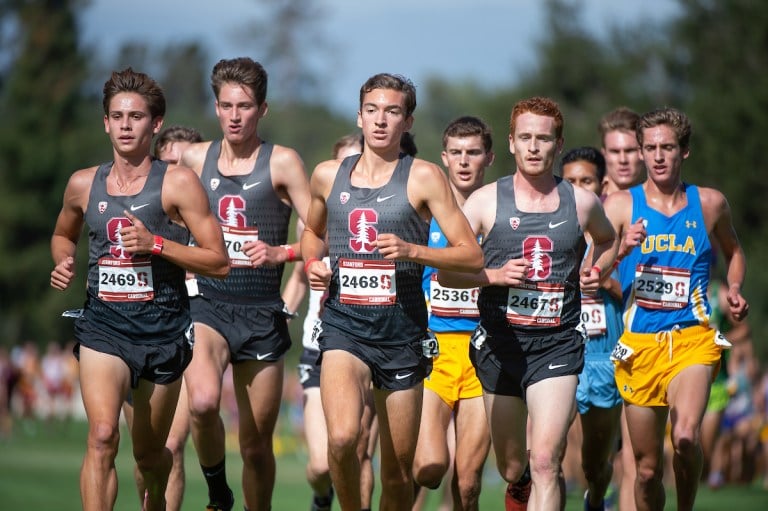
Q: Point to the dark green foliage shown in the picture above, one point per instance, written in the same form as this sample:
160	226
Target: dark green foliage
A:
40	107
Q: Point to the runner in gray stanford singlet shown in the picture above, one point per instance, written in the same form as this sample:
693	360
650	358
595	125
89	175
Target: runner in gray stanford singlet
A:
372	298
141	296
248	209
554	245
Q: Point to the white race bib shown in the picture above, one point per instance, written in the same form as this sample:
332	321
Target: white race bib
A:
621	352
234	239
535	304
364	282
660	287
192	289
312	341
452	303
125	280
593	315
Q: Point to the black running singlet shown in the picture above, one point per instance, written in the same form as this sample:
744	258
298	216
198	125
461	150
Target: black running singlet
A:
142	296
554	245
248	209
370	297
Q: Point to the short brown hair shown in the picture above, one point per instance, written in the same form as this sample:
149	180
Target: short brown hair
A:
469	126
667	116
129	80
391	82
353	139
242	71
619	119
176	134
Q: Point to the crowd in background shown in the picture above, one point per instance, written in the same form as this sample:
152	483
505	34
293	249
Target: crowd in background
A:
39	386
36	388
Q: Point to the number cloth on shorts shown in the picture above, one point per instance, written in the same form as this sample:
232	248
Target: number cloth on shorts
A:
647	363
453	375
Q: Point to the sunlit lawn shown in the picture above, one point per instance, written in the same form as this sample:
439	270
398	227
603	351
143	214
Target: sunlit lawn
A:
39	469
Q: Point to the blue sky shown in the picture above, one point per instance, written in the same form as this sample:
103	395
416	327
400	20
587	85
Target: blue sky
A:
489	41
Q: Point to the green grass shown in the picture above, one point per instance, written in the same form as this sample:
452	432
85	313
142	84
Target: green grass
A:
39	469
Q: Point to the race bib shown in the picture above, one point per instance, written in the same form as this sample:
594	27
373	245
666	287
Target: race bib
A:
479	336
305	372
234	239
660	287
430	348
448	302
363	282
192	289
125	280
593	315
535	304
621	352
313	340
722	340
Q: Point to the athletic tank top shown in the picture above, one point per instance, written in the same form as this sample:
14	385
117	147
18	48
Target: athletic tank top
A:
248	209
142	296
372	298
450	310
664	281
601	316
554	245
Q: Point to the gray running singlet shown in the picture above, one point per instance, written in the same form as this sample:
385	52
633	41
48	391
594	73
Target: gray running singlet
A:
372	298
248	209
141	296
554	245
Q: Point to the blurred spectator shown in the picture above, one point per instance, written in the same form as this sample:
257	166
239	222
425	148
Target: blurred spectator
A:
733	458
56	381
8	377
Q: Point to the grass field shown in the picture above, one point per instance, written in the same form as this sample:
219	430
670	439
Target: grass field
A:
39	469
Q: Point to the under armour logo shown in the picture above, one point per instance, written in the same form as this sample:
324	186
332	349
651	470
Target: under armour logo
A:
690	224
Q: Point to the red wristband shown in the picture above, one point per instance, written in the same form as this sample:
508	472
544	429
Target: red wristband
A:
291	253
308	262
597	269
157	248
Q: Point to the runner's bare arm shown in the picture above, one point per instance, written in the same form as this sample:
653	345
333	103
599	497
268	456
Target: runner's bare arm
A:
69	226
428	186
183	192
313	246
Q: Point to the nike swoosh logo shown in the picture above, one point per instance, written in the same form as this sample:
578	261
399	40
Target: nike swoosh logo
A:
136	208
556	366
558	224
259	356
382	199
158	372
248	186
399	376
